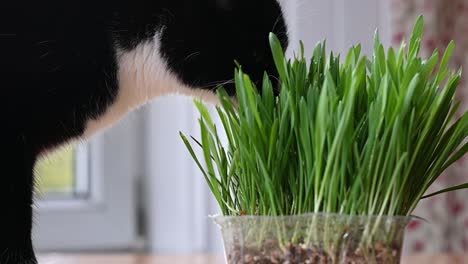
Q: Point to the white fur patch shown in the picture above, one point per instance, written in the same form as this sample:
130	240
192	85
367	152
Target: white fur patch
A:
143	75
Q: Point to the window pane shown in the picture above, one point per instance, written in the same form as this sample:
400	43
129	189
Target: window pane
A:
63	174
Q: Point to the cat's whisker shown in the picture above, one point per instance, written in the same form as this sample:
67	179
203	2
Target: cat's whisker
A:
192	55
215	85
43	42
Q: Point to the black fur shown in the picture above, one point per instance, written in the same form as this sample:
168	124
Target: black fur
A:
58	69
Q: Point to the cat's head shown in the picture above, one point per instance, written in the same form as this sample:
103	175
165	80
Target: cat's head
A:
202	42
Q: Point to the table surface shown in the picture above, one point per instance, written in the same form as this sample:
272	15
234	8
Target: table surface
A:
148	259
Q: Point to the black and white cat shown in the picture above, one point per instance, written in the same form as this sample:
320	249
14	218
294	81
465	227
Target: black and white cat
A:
70	68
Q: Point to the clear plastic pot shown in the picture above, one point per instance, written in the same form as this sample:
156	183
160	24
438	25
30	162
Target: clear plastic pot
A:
312	238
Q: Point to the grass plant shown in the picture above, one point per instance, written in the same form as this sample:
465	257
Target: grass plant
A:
359	136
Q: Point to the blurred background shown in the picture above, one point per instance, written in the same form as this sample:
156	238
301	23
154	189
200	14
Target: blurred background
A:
135	188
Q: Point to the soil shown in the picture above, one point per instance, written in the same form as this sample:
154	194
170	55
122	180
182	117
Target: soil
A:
301	254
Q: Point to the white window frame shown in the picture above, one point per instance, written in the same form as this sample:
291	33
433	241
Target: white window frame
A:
106	220
178	200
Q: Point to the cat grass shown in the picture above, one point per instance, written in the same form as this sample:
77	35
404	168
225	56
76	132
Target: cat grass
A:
353	135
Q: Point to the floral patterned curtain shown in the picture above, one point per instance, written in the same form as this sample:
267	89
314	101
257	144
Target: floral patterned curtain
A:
448	214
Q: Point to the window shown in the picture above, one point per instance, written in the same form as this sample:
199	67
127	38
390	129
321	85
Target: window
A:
85	195
64	174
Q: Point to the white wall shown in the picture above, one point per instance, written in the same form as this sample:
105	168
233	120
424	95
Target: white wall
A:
342	23
178	200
